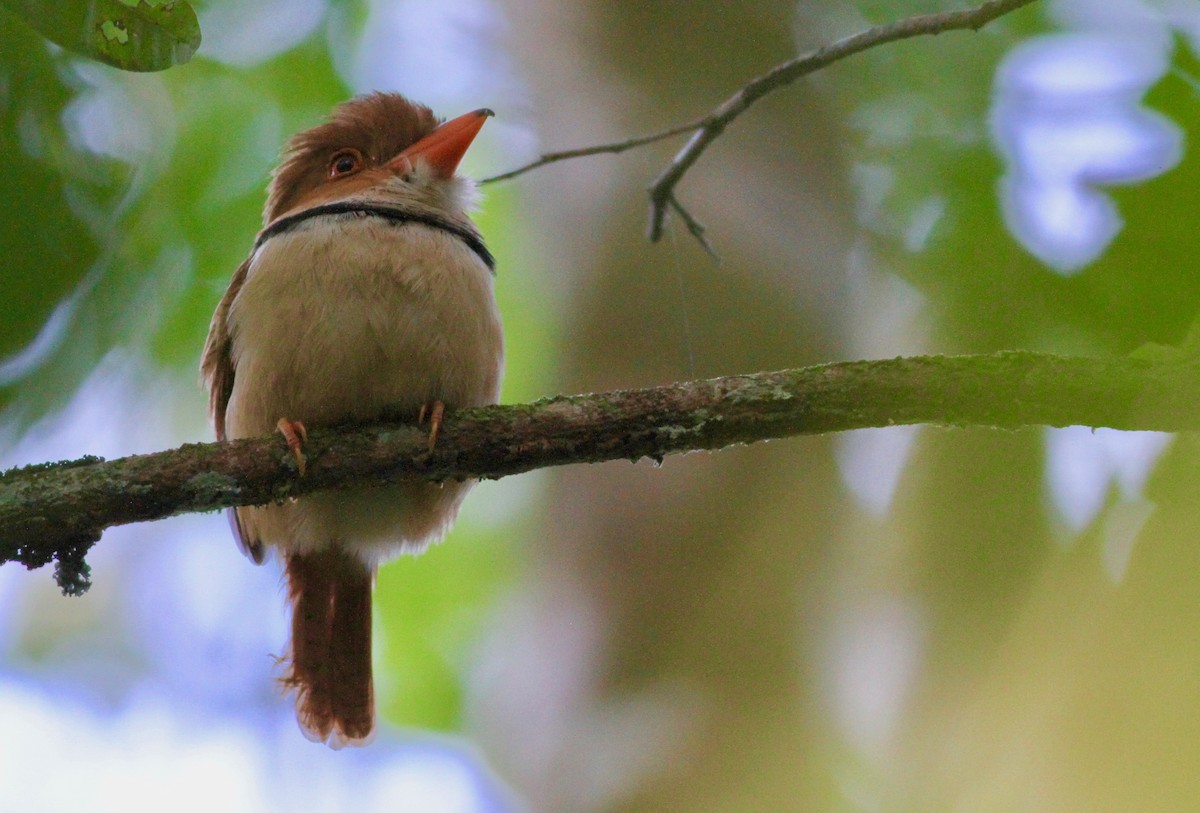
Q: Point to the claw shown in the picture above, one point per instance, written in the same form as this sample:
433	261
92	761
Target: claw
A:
436	410
296	436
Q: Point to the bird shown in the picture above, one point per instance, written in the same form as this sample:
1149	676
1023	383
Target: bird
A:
368	293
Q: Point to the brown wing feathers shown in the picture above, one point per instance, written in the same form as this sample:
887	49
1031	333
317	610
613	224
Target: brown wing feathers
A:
216	363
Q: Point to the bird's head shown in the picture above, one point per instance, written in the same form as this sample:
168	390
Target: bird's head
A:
380	147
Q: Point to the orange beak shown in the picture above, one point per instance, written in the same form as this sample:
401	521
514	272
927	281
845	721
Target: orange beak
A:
444	148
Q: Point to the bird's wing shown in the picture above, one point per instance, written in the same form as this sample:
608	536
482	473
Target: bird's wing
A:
217	370
216	364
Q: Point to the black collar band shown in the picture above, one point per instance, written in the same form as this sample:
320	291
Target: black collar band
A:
391	213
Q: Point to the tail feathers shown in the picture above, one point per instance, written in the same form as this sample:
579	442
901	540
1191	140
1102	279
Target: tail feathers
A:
330	659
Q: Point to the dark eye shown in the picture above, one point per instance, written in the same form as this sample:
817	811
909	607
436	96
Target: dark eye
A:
345	162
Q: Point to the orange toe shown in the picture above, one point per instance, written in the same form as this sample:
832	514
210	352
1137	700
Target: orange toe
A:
435	409
296	436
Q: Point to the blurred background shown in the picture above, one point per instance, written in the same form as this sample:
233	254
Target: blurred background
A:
888	620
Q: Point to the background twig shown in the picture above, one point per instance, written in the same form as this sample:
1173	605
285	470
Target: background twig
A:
662	191
709	128
599	149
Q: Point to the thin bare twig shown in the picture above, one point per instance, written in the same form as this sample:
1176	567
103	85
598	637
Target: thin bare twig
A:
695	227
662	191
706	129
599	149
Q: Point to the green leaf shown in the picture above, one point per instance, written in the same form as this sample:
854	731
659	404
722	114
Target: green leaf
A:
139	37
52	233
1188	351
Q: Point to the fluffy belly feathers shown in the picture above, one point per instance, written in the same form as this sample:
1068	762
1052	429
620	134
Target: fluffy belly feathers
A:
338	321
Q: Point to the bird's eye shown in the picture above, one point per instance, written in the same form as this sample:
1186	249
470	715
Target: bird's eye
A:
345	162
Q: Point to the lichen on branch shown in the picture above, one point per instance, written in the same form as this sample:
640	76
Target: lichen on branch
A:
55	511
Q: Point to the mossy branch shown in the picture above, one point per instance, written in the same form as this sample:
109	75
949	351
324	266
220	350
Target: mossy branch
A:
56	511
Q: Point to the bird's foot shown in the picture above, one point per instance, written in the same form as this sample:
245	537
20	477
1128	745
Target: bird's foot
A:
435	410
296	436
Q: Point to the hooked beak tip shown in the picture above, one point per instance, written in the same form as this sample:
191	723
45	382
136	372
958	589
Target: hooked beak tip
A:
444	148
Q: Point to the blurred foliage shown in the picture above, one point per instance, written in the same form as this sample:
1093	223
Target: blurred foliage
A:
131	199
1052	684
430	608
1039	679
137	36
1029	639
59	205
924	123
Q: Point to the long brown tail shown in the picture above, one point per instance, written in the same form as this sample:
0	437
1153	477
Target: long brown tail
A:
330	667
